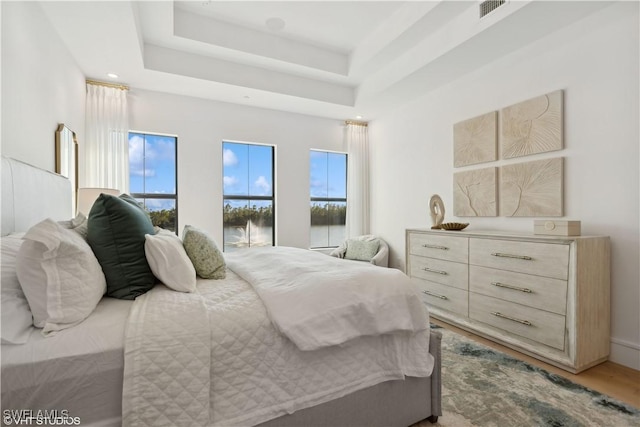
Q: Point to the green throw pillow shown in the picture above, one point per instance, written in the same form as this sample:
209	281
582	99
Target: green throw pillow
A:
203	253
362	250
115	232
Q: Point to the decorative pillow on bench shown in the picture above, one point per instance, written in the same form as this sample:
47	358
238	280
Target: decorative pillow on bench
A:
362	250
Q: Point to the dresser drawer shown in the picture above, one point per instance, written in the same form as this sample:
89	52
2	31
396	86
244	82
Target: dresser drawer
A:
537	325
533	291
444	272
450	248
541	259
444	297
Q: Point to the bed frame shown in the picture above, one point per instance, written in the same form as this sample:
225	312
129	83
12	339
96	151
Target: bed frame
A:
31	194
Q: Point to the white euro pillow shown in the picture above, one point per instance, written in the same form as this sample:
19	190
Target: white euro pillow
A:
169	261
17	322
59	275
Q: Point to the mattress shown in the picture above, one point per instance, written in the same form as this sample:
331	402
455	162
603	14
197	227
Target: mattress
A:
78	369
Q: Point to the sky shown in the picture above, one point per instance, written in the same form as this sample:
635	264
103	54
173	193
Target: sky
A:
152	167
328	174
247	169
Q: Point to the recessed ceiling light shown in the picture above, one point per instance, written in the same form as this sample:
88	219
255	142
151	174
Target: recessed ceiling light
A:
112	75
275	24
358	117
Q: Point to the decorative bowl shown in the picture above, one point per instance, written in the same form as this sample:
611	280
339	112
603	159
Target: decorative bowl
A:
454	225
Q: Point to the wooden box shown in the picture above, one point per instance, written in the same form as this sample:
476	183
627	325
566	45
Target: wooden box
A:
556	227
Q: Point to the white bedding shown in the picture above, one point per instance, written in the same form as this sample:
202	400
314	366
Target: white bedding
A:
256	373
79	369
319	301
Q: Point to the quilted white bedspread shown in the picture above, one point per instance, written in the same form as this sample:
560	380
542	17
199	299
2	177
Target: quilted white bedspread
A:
319	301
246	372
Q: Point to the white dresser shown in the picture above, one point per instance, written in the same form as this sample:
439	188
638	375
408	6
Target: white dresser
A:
546	296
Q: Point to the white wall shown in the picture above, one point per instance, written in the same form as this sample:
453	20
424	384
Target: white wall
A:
41	85
202	125
595	62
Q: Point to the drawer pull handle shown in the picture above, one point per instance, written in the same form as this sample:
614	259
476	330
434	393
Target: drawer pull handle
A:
524	322
431	270
426	245
515	288
434	295
498	254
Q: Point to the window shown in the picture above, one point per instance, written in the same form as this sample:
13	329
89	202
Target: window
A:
328	189
249	203
153	176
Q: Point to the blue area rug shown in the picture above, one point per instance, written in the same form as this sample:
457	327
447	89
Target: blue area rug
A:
483	387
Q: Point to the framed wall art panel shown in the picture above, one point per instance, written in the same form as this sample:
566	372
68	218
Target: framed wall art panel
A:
532	189
533	126
474	192
474	140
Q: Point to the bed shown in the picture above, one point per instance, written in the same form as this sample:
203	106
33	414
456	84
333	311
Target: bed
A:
81	371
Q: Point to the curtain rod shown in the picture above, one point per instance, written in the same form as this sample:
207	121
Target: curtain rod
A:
356	123
113	85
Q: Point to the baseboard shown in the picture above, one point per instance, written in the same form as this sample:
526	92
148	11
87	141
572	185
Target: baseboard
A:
625	353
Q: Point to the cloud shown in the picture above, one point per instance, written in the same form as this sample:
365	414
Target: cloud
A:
229	158
139	150
136	155
230	181
263	184
318	188
161	149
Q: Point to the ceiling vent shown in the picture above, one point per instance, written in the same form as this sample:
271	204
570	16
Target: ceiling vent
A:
488	6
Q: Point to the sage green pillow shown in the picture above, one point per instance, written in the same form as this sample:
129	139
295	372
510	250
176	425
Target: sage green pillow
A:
362	250
203	253
115	232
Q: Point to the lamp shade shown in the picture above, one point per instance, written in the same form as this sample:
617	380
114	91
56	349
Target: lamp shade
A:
88	195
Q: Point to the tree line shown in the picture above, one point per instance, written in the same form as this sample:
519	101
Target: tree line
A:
238	217
327	214
164	218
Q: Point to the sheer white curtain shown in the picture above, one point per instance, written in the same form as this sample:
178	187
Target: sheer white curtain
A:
106	145
357	144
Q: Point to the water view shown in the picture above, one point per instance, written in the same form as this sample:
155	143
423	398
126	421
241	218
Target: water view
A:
239	237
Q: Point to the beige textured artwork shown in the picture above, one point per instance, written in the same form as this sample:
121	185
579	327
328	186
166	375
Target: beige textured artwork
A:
532	188
533	126
474	193
474	140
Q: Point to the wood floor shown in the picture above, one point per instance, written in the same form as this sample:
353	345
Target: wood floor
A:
609	378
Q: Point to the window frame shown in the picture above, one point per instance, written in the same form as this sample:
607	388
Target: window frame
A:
329	199
247	197
162	196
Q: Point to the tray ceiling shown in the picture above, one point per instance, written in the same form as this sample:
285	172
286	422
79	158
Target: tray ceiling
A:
333	59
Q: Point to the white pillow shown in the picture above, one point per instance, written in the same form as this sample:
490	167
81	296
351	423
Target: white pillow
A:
17	322
77	224
169	261
60	276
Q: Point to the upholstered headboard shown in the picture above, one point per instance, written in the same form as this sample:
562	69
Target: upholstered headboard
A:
31	194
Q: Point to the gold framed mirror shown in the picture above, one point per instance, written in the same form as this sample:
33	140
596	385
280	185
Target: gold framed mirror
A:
67	157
